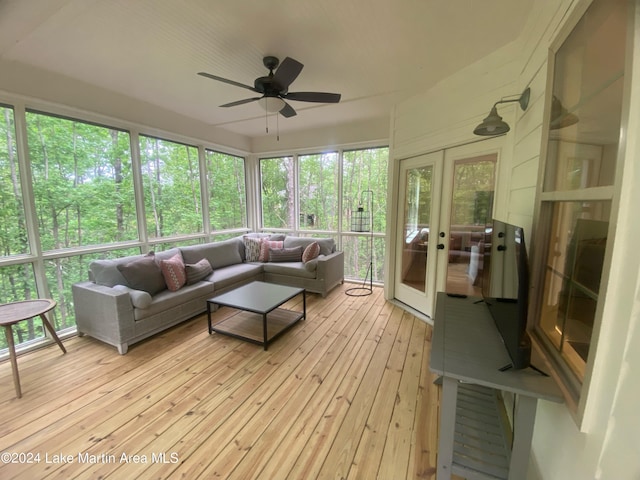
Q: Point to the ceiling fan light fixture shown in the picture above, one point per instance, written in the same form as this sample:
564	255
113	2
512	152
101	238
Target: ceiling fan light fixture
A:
274	88
271	104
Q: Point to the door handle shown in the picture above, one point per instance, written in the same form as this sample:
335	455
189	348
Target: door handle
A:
441	246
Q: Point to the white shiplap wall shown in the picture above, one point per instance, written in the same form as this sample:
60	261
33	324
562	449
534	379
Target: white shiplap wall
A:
607	446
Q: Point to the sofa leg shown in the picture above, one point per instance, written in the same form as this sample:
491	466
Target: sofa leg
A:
123	348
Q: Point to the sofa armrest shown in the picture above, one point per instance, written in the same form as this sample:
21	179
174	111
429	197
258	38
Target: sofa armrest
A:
330	269
104	313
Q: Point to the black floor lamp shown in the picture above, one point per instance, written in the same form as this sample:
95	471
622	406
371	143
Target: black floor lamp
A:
362	221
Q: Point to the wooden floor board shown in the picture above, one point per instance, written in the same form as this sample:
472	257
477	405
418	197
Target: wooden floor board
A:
367	459
398	441
305	442
346	393
301	407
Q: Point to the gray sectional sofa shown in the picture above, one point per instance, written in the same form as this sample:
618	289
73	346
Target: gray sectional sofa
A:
125	300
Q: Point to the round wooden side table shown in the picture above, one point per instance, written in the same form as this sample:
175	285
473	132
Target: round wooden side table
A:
12	313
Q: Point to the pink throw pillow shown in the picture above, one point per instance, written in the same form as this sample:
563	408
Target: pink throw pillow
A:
265	245
311	252
174	272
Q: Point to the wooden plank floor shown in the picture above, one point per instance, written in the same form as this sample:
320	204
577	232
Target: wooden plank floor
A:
347	393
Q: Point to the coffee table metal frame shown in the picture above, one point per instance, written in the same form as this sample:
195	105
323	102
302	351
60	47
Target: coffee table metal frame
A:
258	301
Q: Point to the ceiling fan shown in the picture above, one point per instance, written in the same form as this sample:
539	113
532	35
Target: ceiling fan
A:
275	87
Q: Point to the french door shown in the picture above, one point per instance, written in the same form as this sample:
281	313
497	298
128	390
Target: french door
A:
445	202
416	243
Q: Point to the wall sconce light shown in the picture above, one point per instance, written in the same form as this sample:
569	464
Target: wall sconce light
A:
560	116
493	123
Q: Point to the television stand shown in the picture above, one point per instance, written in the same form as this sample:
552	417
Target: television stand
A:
510	366
467	352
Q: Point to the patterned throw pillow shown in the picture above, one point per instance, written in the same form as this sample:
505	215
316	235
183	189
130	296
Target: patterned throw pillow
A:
198	271
311	252
174	272
265	246
285	254
252	248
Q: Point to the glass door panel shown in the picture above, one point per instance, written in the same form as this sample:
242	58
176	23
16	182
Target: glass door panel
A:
417	220
471	209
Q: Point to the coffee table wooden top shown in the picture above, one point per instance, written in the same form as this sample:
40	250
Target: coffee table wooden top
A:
15	312
257	297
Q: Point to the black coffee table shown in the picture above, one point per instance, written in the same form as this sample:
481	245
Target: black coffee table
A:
261	320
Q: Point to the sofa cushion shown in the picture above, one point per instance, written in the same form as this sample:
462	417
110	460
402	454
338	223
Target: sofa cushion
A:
220	254
293	254
139	299
311	265
167	254
166	300
327	245
277	237
174	273
292	269
310	252
143	274
198	271
105	272
232	274
265	246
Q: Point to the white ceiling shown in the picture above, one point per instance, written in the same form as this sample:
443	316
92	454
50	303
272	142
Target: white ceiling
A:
374	52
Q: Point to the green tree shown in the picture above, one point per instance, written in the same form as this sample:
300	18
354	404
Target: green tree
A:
171	179
278	196
227	191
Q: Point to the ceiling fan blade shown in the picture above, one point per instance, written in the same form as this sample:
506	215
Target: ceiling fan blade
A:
320	97
241	102
287	72
226	80
287	111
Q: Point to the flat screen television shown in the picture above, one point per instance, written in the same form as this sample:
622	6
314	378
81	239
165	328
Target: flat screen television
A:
505	288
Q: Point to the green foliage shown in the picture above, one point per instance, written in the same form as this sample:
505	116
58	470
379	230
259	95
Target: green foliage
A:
364	174
418	201
13	234
364	179
171	180
227	191
277	183
473	192
365	170
318	191
82	181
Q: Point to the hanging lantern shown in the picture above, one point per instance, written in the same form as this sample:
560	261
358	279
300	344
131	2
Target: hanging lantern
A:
360	220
